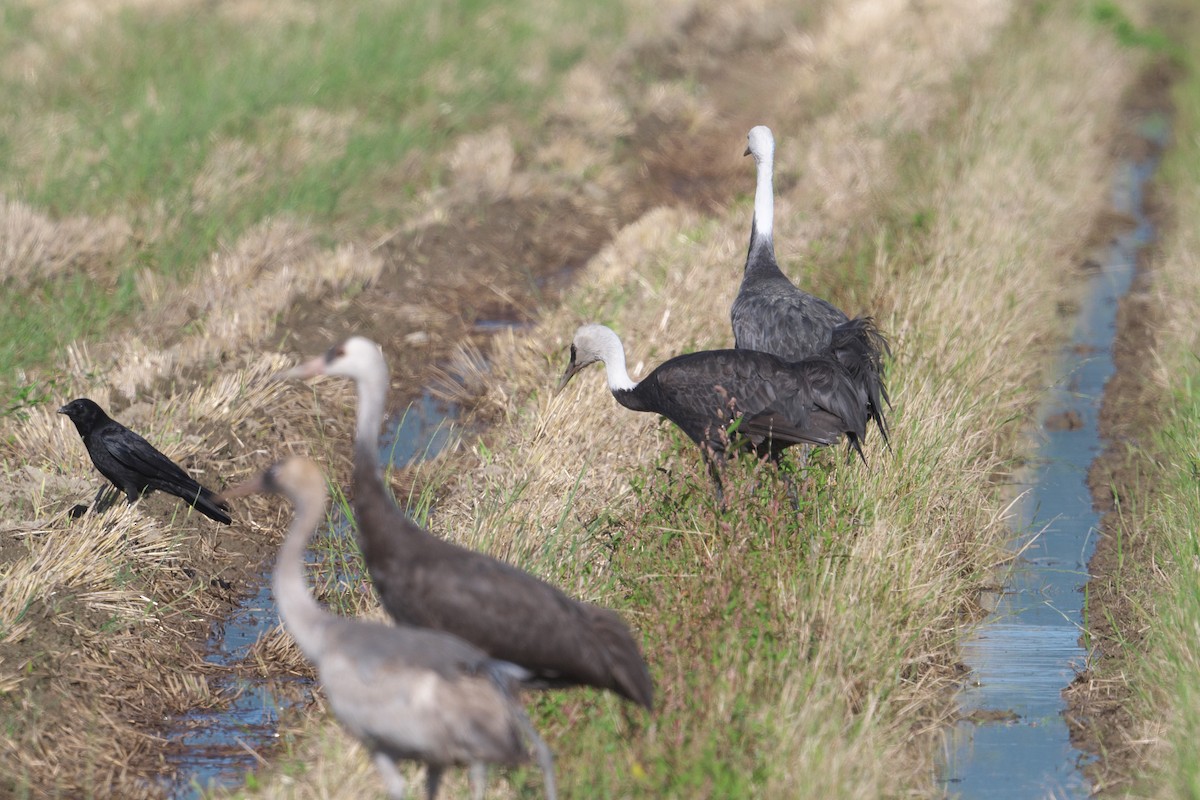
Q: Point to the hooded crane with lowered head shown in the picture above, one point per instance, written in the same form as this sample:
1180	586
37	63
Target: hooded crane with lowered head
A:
772	315
133	465
427	582
734	399
404	693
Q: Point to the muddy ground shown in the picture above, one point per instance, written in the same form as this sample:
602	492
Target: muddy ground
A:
1099	710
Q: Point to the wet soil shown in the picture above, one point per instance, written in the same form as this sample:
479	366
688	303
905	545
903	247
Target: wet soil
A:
1098	706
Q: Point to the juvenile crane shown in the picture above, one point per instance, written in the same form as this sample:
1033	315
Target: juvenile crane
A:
404	693
431	583
772	315
133	465
727	399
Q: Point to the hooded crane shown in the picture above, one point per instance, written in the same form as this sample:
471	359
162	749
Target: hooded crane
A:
772	315
431	583
404	693
733	399
133	465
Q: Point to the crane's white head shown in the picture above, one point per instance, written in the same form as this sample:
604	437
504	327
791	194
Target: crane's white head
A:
594	343
356	358
760	144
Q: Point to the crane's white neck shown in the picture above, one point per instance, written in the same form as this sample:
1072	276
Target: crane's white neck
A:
303	616
764	197
612	353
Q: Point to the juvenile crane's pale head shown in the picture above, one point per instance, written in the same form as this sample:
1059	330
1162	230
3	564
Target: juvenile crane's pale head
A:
354	358
294	478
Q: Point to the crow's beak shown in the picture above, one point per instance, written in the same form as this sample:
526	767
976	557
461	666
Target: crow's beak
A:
314	366
256	485
62	410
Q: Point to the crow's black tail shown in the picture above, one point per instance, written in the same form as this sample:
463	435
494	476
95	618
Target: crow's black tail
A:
859	346
201	499
210	506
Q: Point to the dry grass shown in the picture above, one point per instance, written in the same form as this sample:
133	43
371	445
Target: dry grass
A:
35	248
994	137
850	705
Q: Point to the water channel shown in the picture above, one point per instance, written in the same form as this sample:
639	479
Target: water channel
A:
1013	741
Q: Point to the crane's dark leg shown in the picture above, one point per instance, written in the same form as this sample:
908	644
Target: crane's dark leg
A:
541	752
793	492
393	781
433	779
715	463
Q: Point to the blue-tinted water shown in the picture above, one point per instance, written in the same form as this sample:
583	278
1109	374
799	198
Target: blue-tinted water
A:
1028	652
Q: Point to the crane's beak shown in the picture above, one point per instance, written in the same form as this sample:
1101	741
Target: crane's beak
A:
569	373
310	368
256	485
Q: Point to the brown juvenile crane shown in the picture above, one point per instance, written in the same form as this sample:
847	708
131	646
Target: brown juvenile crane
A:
772	315
405	693
726	400
431	583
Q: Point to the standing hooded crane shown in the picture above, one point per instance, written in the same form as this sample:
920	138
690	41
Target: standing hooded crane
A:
431	583
772	315
404	693
726	400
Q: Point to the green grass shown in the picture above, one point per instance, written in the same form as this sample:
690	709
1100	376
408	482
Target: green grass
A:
1169	674
126	122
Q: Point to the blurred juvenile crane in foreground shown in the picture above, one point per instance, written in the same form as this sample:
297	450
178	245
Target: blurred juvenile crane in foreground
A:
404	693
133	465
726	400
431	583
772	315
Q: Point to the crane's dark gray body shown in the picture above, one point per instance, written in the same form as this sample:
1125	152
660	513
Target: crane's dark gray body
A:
431	583
133	465
725	400
773	315
779	404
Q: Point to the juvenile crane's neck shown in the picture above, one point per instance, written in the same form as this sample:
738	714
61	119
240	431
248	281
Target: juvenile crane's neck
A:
302	614
371	386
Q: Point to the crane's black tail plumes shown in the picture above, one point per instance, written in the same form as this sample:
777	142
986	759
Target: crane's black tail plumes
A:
859	346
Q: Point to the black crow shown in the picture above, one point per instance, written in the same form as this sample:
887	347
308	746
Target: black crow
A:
132	463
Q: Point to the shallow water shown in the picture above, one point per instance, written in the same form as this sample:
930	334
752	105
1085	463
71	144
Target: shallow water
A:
1028	651
218	748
